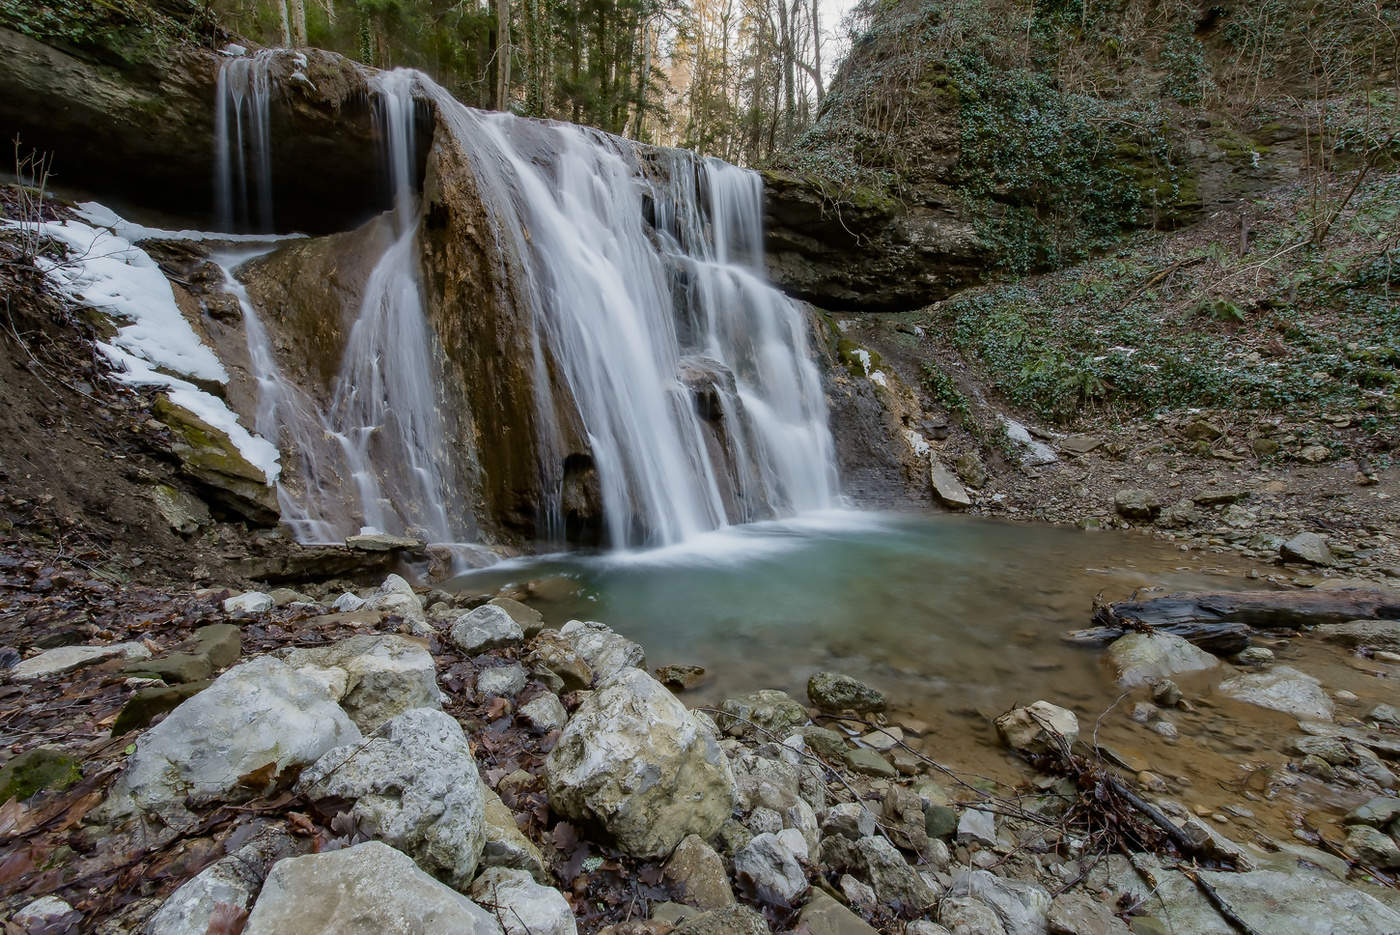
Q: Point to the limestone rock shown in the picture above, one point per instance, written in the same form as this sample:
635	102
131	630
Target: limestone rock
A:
606	652
184	512
487	627
869	763
1373	848
505	681
697	876
680	678
834	692
207	454
1020	907
383	675
260	714
395	596
415	786
634	760
1282	688
62	659
977	825
849	820
381	542
1307	547
1137	504
505	846
945	485
1378	812
148	703
232	881
545	713
772	712
877	862
523	906
556	654
1139	658
1076	913
735	920
46	914
530	621
770	868
825	916
1377	634
1038	728
368	889
963	915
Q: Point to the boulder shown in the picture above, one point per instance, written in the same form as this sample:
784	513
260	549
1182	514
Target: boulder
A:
1140	658
395	596
825	916
1020	907
696	875
946	487
769	868
505	681
772	713
1038	728
831	691
1307	547
545	713
531	621
373	677
635	761
1137	503
556	654
486	627
415	786
208	455
876	861
368	889
1282	688
231	881
505	846
605	652
523	906
67	658
1373	848
249	603
258	719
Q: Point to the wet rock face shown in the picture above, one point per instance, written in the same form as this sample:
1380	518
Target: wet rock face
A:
146	133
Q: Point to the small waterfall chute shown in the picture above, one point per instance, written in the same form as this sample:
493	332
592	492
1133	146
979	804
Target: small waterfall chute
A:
243	144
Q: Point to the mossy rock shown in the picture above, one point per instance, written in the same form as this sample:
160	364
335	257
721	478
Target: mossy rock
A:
36	770
208	455
846	352
149	703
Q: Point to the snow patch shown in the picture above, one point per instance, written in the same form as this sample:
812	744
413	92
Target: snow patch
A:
917	443
102	216
862	355
105	271
878	378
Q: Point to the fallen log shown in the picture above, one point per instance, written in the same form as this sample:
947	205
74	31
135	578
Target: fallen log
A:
1258	609
1222	639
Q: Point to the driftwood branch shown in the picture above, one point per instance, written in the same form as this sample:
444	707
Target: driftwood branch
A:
1290	610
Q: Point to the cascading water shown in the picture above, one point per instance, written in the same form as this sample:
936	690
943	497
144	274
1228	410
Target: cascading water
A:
243	144
373	457
640	320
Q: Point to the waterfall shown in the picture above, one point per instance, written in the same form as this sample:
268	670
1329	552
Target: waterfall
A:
243	144
662	332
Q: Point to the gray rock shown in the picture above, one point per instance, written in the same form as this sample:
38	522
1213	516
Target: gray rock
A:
635	761
415	786
735	920
1038	728
770	869
1331	749
773	713
184	512
395	596
260	714
1077	913
857	893
962	915
1385	714
1373	848
1307	547
368	889
531	621
249	603
825	743
1141	658
977	826
831	691
764	820
877	862
1376	634
606	652
1283	904
1020	907
924	927
1379	812
697	876
505	681
545	713
504	845
825	916
849	820
46	914
381	542
67	658
556	654
869	763
373	677
1255	656
1136	503
945	485
523	906
232	881
487	627
1282	688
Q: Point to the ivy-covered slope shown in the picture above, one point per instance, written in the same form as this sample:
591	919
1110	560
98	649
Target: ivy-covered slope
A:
966	137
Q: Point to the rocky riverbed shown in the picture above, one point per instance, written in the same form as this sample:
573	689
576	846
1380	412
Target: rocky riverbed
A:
193	761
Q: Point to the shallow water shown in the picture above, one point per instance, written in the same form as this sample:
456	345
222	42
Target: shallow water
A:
956	620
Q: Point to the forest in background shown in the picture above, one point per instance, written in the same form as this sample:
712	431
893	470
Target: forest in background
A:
737	79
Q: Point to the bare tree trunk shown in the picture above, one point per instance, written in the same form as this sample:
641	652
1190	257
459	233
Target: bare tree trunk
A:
329	7
817	53
642	82
299	24
503	54
286	23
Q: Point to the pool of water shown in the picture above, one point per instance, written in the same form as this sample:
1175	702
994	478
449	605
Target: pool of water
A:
956	620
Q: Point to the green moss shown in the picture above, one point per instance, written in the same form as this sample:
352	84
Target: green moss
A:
846	352
129	31
36	770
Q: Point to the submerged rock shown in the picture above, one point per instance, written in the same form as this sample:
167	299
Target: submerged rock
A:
1282	688
635	761
1140	658
259	719
415	786
368	889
